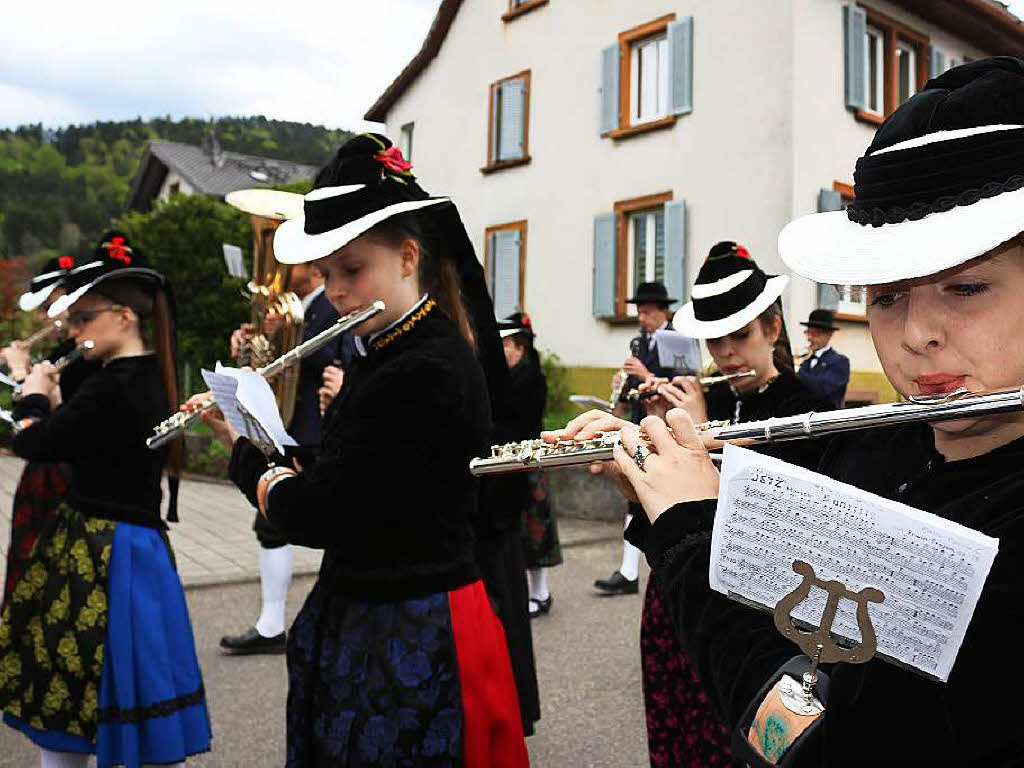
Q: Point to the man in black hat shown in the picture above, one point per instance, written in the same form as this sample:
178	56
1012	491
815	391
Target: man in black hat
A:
824	371
653	314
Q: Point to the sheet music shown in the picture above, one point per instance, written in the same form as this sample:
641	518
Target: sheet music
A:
589	401
248	404
677	351
233	260
931	570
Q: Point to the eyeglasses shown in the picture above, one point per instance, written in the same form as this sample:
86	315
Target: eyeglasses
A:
82	317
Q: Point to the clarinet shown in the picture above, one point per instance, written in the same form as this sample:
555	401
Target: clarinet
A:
959	404
170	428
634	350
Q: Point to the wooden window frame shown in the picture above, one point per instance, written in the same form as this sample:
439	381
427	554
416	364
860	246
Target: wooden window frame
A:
626	41
510	225
514	12
622	210
894	32
493	165
846	192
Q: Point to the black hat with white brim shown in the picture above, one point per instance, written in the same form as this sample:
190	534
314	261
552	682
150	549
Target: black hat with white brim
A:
942	183
730	291
115	258
367	182
45	281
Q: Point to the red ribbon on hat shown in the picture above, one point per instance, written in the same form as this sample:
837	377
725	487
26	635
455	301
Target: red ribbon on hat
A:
118	251
742	252
66	262
393	160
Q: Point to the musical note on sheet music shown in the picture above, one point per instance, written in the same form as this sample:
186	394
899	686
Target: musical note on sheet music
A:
931	570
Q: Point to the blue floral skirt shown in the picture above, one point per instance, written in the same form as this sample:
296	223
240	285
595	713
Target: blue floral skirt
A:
422	682
96	647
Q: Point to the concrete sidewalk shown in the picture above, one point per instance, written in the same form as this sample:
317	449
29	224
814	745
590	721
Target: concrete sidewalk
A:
214	542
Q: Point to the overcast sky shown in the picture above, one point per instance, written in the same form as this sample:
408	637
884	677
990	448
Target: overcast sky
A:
324	62
68	61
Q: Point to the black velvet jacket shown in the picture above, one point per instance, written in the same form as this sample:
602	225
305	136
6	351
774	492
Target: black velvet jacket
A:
529	393
389	495
878	714
101	431
72	376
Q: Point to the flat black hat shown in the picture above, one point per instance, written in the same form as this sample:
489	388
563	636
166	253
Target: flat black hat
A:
651	293
518	323
823	319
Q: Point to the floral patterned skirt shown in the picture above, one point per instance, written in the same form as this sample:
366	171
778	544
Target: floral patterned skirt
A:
683	729
421	682
96	649
41	488
541	548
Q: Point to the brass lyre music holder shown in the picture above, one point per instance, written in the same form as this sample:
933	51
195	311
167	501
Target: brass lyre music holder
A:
818	644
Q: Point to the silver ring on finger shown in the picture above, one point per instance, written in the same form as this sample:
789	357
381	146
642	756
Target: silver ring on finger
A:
640	456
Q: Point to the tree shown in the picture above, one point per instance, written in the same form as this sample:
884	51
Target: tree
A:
182	237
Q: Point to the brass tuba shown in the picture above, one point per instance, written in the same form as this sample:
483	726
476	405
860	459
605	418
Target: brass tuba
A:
269	293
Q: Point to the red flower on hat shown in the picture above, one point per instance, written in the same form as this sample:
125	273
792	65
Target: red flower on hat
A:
118	251
526	320
66	262
393	160
742	252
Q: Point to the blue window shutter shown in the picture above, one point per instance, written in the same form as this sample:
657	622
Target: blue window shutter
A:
675	249
938	63
505	280
609	89
828	200
604	265
855	22
511	97
680	52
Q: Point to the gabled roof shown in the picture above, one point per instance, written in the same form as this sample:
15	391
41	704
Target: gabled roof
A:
208	170
984	23
438	31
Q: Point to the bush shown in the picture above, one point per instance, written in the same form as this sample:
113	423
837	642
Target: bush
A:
557	410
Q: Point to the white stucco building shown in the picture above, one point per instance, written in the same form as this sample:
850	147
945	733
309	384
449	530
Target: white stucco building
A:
591	144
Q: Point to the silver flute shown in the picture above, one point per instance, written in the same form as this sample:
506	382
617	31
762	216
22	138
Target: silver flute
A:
960	404
705	381
170	428
58	365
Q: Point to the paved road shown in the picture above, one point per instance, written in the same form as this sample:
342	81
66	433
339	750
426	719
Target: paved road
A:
587	649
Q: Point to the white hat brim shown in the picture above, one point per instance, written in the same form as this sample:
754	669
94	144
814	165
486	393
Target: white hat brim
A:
829	248
269	203
687	324
68	300
29	301
293	246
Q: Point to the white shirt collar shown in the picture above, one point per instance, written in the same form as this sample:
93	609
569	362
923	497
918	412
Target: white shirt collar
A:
310	297
822	351
361	345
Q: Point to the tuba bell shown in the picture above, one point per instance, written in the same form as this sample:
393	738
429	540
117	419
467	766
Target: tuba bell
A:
269	291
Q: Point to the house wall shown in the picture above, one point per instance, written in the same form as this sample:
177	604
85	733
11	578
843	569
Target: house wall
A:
769	128
174	178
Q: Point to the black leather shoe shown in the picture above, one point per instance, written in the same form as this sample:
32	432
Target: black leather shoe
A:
538	607
617	584
252	641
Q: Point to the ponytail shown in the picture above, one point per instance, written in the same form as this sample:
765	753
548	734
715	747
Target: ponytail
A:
782	354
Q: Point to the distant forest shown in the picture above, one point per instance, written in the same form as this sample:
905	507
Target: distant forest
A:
60	189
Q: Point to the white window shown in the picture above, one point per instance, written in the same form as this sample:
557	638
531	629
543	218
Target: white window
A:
874	70
645	243
649	79
509	116
405	141
906	64
503	265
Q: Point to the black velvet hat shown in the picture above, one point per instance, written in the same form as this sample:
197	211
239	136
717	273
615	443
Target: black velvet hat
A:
45	281
730	291
518	323
651	293
365	183
942	183
822	319
114	258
